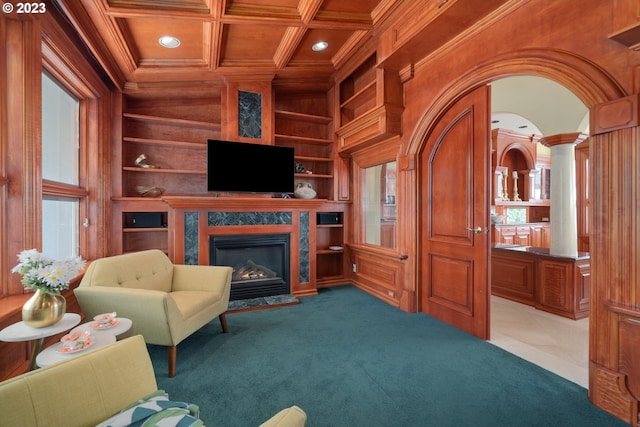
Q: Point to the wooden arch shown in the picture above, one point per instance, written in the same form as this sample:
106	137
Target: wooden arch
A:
590	83
520	148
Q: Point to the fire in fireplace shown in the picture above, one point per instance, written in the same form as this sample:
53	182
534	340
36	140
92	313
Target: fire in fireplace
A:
260	263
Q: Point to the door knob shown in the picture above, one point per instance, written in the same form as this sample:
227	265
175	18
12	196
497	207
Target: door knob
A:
477	230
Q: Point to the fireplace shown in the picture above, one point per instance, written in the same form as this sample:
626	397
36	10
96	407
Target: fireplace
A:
260	263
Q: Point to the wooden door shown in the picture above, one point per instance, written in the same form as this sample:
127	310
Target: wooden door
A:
454	210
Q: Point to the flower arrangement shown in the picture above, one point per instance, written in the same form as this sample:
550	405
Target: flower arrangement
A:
42	272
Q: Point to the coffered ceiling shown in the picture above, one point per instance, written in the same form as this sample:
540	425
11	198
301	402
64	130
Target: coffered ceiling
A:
226	39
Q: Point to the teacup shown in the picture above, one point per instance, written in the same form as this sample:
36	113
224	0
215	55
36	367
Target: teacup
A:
105	319
76	339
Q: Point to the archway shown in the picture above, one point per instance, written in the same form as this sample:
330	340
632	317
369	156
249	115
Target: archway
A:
533	107
589	83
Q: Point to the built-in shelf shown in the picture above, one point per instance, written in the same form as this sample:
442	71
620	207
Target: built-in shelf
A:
312	118
370	106
280	138
368	92
163	170
143	230
312	175
329	262
329	251
172	121
305	124
314	159
202	145
534	202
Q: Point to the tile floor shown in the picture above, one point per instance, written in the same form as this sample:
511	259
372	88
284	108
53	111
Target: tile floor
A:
555	343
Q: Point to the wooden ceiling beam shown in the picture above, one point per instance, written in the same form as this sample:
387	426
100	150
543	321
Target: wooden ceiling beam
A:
216	45
308	9
261	12
346	51
288	45
160	6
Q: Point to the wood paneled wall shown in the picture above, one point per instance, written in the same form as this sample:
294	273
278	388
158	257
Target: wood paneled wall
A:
615	246
557	40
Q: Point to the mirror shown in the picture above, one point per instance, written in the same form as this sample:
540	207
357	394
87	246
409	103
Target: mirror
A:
380	205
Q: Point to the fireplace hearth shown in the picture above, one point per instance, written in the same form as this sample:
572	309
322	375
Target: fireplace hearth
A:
260	263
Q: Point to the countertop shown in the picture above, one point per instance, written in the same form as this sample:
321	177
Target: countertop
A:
533	250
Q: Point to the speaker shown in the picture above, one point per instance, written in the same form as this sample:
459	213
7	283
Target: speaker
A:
328	218
144	220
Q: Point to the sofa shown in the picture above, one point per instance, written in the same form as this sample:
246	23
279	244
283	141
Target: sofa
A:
167	302
91	387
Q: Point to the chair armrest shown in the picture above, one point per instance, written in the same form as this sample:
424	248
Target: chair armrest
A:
201	278
289	417
139	305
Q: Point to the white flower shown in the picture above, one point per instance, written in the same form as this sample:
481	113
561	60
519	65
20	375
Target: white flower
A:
42	272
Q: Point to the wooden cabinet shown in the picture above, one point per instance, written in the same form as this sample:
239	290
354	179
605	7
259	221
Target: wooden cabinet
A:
136	238
331	237
540	235
504	234
304	123
523	235
535	234
564	287
530	275
513	280
369	105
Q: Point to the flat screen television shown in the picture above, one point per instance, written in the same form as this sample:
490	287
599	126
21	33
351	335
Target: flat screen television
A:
249	168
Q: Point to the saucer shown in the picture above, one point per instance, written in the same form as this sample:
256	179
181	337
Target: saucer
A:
64	350
96	325
336	248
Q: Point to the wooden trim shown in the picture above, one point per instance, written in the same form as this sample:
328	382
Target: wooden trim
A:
241	203
58	189
378	251
617	114
625	310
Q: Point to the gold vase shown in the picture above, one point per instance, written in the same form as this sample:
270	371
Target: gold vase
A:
43	309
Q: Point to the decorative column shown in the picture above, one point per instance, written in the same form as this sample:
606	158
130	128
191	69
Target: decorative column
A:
564	217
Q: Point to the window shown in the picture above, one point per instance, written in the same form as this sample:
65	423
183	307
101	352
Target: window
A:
379	200
61	193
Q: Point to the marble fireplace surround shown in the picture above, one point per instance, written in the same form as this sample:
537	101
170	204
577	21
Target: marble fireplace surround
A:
192	220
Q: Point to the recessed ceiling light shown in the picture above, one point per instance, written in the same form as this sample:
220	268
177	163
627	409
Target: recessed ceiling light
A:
169	42
318	46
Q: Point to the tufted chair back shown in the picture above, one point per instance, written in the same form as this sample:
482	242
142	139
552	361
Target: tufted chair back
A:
150	270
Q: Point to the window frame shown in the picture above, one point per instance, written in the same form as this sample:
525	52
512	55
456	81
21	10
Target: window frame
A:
68	81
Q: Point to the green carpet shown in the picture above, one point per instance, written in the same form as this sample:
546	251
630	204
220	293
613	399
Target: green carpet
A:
349	359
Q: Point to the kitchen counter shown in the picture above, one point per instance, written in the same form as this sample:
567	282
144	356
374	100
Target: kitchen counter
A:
532	276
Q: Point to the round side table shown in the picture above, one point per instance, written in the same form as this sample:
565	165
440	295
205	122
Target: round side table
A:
51	355
100	337
21	332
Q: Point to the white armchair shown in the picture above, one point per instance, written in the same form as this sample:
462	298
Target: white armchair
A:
166	302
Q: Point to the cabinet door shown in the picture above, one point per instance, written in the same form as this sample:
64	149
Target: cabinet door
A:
506	235
536	236
523	236
546	236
